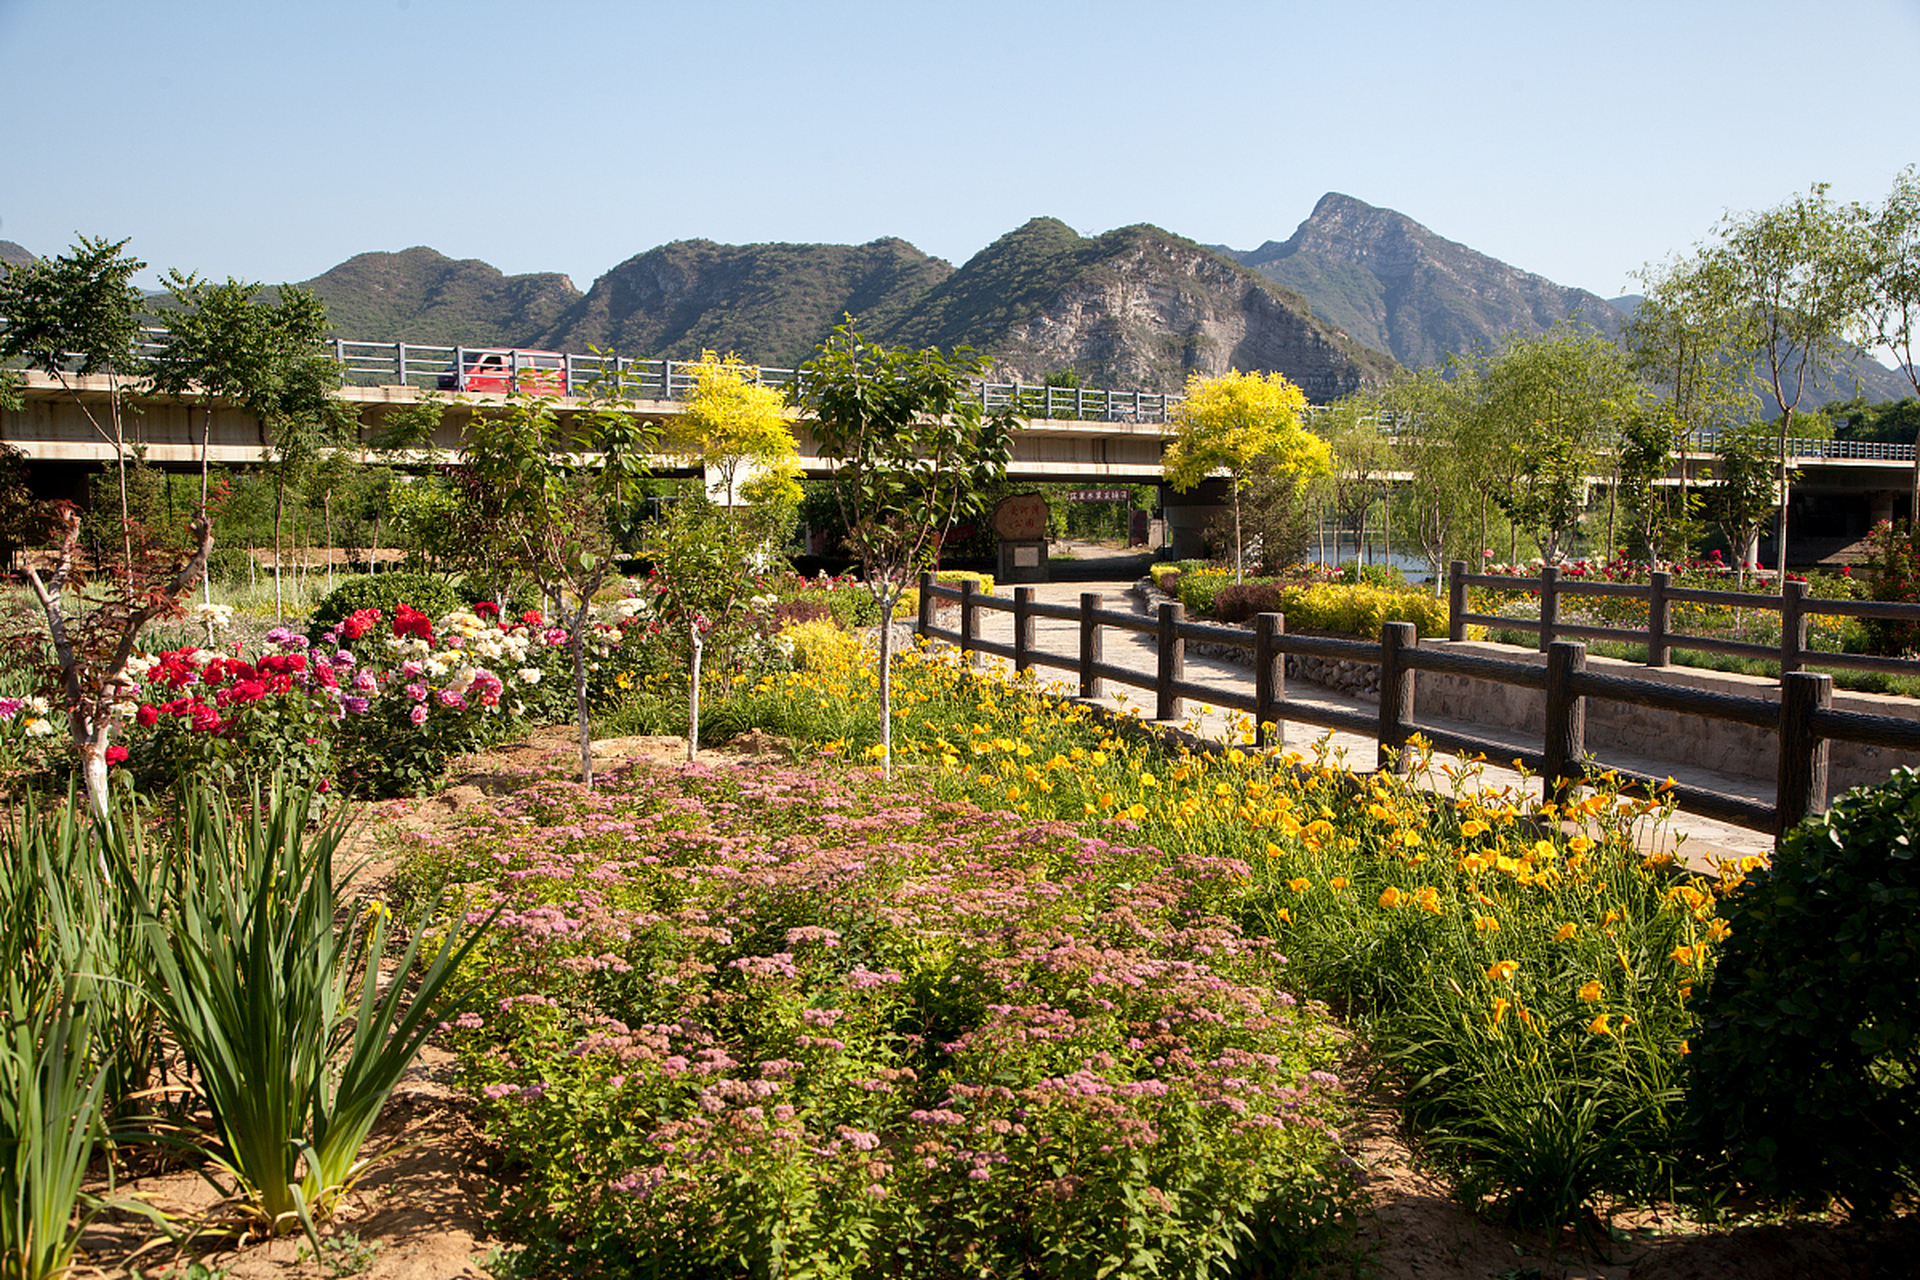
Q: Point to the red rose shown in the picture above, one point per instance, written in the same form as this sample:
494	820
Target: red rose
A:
116	755
146	717
409	621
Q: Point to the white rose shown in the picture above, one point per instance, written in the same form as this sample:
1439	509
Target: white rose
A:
529	675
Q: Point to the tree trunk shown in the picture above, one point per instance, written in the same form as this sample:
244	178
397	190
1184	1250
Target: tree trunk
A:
1613	498
888	598
1386	526
279	506
698	647
1239	574
579	643
1780	520
326	527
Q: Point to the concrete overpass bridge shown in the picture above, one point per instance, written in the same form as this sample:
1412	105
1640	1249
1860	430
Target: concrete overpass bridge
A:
1087	436
1072	434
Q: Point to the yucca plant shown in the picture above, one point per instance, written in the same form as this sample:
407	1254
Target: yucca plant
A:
275	996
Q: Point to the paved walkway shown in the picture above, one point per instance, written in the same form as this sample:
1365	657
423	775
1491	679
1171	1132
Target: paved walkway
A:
1697	840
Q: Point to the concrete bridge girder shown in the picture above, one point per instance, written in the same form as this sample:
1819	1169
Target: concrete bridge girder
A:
52	429
55	435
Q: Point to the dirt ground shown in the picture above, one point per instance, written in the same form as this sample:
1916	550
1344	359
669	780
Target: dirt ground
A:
420	1213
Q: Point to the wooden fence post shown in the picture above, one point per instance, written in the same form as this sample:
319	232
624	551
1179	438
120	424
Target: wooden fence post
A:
1396	696
1269	680
924	623
1092	645
1022	629
1659	620
1801	787
1457	601
1173	662
1549	604
1793	627
1566	743
969	620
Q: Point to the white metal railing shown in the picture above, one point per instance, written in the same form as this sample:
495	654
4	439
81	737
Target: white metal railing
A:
463	369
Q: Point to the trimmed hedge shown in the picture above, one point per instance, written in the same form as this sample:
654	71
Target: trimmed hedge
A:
387	592
1352	610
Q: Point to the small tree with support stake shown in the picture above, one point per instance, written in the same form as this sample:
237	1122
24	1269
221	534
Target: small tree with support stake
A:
913	448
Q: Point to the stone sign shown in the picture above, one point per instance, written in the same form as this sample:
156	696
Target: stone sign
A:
1021	517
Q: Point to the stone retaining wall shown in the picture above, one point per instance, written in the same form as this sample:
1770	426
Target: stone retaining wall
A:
1738	750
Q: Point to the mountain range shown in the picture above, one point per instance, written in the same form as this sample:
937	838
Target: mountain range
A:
1355	292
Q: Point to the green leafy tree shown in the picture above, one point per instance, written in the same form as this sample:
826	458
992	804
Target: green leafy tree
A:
913	449
75	317
1431	432
555	484
1361	456
706	562
1885	243
1743	492
1650	440
1239	423
1789	270
1545	406
225	345
78	316
300	416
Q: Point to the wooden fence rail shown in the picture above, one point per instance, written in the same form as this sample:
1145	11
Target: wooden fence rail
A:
1794	606
1803	718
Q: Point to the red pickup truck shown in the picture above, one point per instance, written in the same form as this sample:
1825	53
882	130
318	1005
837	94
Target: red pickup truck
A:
507	371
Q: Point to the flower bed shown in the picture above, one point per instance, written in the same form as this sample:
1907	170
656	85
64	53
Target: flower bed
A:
1532	984
761	1014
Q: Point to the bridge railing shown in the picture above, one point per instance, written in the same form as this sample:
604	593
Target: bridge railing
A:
461	369
1804	447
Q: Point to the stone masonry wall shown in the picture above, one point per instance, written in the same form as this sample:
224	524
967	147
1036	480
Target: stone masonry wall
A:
1738	750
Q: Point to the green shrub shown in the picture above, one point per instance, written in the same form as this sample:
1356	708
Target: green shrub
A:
1352	610
1198	587
1806	1073
387	592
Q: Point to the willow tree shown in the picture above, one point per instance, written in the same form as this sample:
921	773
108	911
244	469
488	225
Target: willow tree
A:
1545	407
1240	424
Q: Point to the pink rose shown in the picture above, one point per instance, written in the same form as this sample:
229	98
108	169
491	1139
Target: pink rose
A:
419	713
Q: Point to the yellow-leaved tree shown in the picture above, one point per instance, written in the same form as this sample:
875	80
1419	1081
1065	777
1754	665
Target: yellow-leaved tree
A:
1242	424
736	428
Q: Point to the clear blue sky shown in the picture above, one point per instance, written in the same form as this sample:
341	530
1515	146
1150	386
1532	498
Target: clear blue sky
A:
271	140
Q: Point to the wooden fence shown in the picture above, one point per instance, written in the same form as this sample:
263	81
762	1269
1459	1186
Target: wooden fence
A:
1794	606
1804	717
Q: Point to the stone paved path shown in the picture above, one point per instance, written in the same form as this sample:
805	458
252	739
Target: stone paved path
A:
1697	840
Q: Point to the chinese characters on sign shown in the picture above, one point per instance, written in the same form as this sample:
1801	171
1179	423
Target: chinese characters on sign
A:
1020	517
1098	495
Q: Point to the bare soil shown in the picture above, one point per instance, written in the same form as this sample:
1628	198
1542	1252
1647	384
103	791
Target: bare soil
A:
420	1214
